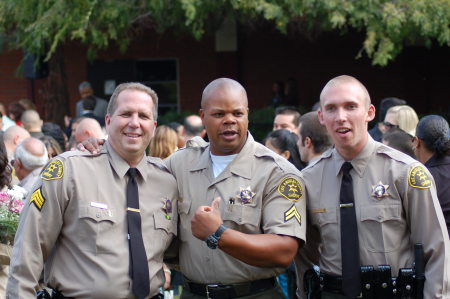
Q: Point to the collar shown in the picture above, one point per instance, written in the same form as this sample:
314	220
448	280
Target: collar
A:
360	162
120	166
435	161
239	166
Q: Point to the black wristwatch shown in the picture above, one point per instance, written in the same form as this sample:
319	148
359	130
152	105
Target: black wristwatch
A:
213	240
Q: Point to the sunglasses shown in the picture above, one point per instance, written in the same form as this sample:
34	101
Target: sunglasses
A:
389	125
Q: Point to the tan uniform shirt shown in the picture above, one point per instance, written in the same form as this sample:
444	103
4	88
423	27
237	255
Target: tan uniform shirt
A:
76	226
257	171
390	222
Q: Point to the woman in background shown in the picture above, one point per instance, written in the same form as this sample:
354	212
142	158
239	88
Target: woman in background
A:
284	143
164	142
403	117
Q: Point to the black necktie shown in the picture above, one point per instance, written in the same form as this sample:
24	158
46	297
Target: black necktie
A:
138	258
351	278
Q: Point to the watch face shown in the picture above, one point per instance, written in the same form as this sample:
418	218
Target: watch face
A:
212	242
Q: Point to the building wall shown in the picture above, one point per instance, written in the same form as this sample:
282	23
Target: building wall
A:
418	75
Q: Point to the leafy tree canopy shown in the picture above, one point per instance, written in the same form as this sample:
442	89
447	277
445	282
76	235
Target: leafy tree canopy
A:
40	26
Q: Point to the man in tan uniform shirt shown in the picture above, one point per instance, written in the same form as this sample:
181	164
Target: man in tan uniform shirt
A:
262	204
75	225
395	197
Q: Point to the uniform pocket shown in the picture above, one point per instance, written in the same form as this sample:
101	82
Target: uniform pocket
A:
382	226
242	215
95	227
329	230
169	226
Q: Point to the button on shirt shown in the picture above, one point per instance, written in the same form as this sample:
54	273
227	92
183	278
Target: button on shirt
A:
83	221
388	225
256	169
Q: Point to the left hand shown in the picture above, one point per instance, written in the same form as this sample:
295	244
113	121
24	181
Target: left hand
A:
206	220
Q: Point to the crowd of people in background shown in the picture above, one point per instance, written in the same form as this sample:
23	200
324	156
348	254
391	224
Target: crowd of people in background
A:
30	143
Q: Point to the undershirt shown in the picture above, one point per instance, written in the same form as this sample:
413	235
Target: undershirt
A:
219	163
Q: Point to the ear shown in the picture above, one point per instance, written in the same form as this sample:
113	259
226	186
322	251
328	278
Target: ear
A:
201	113
320	116
286	154
370	113
107	121
308	142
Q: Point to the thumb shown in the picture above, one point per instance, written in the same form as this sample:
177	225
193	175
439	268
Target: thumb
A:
216	204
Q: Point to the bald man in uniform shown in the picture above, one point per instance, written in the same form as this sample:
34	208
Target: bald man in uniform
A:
74	227
242	214
395	204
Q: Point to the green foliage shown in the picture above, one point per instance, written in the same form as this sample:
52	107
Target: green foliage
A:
40	26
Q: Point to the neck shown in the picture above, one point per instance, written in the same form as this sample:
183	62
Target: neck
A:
424	156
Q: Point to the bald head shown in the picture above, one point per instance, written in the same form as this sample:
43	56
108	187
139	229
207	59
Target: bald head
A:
32	153
31	121
13	137
87	128
224	85
344	80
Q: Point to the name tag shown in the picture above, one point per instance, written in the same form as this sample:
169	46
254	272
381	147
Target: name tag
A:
319	210
99	205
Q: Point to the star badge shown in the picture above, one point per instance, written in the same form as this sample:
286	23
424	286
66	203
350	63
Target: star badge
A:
380	190
246	195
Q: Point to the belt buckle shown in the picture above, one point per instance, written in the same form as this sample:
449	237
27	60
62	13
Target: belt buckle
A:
207	289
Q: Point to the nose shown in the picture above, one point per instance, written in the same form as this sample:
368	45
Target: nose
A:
229	119
341	115
134	121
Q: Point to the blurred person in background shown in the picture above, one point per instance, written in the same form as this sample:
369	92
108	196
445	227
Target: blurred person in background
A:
400	140
30	157
12	138
6	121
313	138
15	112
286	117
193	126
53	148
85	89
432	148
27	104
164	142
403	117
377	131
32	122
88	128
179	128
55	131
284	143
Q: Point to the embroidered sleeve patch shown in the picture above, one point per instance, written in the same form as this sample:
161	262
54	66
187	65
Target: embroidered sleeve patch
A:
418	178
291	189
37	199
292	213
53	171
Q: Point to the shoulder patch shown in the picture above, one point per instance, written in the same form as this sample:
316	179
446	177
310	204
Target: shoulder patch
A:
291	189
53	171
418	178
37	199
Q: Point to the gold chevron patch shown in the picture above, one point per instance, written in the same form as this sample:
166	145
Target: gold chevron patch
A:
292	213
37	199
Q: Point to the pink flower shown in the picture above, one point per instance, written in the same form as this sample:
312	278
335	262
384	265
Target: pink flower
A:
4	199
16	206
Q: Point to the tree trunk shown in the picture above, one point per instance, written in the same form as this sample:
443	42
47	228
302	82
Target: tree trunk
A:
54	93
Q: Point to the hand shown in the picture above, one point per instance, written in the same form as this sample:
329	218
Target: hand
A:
206	220
167	275
92	145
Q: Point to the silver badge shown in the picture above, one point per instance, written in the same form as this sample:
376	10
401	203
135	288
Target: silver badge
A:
380	190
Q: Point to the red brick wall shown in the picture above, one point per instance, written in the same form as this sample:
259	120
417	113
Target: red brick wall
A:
12	87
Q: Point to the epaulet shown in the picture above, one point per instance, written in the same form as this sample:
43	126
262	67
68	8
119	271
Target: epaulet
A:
77	153
196	141
394	154
158	162
325	155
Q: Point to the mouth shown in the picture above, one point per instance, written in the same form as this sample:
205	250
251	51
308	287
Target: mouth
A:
132	135
343	131
229	134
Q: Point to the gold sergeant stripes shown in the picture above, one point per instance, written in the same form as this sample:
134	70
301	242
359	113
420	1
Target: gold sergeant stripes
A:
37	199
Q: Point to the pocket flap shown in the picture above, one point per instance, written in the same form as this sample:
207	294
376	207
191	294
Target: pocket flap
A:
161	222
97	214
381	213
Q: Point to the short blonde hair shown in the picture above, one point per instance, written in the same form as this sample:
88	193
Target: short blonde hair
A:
164	142
406	117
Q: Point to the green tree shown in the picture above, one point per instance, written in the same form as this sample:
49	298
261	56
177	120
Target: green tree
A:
42	26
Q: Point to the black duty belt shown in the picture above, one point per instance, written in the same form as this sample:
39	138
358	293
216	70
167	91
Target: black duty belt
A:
220	291
332	284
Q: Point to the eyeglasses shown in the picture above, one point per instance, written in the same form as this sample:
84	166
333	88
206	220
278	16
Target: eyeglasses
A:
389	125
